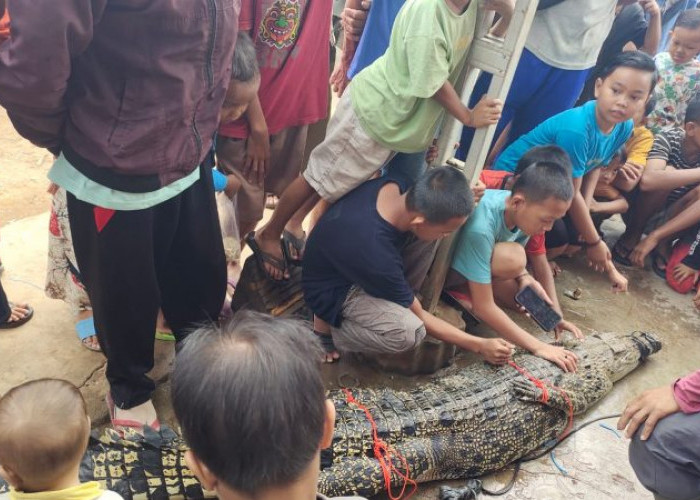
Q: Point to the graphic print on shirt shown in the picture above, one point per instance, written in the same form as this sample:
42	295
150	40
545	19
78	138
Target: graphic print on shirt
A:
280	26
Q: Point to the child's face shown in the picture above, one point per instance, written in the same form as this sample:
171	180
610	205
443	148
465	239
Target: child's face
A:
609	172
684	45
238	97
622	94
536	217
427	231
692	133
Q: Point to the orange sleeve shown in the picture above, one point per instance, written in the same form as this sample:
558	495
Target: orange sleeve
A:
639	145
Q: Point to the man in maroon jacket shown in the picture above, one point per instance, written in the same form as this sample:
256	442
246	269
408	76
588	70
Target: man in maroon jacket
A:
127	94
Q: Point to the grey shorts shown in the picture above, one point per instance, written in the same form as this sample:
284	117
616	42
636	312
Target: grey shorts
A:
376	326
668	463
347	157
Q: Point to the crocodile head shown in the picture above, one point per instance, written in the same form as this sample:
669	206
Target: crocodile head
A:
620	354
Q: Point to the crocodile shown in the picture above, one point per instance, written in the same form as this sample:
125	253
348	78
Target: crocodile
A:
464	424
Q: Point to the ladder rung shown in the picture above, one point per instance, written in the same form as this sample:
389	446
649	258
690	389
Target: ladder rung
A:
490	55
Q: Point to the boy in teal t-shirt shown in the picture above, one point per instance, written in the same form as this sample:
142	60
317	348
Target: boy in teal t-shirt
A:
490	260
591	135
393	105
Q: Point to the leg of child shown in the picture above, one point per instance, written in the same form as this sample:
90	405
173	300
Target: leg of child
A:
323	330
508	262
618	281
646	204
684	213
345	159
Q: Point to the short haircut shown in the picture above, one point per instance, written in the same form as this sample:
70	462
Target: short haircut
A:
635	59
441	194
250	399
689	19
692	112
544	180
245	62
44	431
550	153
651	104
620	154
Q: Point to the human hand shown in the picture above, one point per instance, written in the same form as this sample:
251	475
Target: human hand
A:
478	190
631	171
651	7
504	8
528	280
648	408
354	20
496	351
682	272
566	360
257	157
486	112
598	256
52	188
643	248
696	299
432	153
619	282
567	326
339	79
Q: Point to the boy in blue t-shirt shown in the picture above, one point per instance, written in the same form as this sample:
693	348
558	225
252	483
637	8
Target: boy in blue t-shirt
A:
371	251
591	134
490	254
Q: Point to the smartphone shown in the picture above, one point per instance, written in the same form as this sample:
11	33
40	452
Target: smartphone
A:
543	314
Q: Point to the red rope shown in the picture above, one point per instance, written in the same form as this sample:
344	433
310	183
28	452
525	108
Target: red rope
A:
384	453
543	384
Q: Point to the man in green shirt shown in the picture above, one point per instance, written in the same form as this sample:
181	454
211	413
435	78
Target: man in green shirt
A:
393	105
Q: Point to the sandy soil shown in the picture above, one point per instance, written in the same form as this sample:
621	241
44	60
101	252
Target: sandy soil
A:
23	169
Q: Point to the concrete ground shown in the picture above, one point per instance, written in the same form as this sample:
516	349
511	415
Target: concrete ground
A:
594	459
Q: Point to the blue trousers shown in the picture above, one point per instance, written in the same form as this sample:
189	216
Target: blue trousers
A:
539	91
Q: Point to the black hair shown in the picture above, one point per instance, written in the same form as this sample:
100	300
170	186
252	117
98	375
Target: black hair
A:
689	19
621	154
692	112
651	104
635	59
245	62
550	154
441	194
250	399
544	180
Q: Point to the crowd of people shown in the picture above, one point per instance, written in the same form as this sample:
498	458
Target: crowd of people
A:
171	123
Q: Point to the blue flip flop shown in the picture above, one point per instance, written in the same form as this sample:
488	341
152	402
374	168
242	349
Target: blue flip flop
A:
85	328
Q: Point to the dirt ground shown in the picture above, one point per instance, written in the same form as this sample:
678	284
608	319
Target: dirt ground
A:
23	169
595	459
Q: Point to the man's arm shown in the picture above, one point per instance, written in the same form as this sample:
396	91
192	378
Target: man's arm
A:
488	311
658	176
589	182
34	70
354	18
258	144
495	351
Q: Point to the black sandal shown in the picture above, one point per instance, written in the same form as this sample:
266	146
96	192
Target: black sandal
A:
328	347
263	258
7	324
290	241
619	258
658	260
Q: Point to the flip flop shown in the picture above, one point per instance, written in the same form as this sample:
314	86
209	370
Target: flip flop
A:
263	257
7	325
85	328
298	244
122	424
623	260
656	265
328	346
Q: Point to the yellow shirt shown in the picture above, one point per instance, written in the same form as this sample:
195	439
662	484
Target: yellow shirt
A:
639	145
85	491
